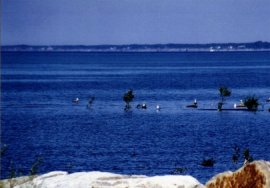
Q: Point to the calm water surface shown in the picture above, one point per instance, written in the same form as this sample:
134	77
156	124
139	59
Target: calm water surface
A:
38	118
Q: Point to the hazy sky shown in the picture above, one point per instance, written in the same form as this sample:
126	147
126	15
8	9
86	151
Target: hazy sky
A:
91	22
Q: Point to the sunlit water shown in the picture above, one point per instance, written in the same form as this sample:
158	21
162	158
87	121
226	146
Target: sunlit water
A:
39	119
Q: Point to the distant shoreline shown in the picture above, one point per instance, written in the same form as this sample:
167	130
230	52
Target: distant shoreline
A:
213	47
137	51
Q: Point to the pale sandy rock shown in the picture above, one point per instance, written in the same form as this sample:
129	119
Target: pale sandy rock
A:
252	175
8	183
60	179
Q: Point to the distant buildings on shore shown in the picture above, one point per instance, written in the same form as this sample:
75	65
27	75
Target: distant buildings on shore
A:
214	47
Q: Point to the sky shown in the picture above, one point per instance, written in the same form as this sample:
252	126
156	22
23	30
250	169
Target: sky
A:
94	22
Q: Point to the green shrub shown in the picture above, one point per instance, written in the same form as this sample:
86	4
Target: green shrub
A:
223	92
179	170
3	150
251	102
247	155
236	154
35	165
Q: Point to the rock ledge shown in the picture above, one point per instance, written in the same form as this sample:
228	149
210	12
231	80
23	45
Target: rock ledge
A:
60	179
252	175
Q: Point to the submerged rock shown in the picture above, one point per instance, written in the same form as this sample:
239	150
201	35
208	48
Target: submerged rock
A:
251	175
208	162
61	179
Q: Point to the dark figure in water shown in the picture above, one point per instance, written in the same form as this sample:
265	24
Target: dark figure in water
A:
90	101
236	155
128	97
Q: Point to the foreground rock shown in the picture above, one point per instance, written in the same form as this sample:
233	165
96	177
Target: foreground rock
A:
252	175
61	179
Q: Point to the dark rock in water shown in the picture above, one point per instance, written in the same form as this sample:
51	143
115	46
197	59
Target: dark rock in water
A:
141	106
251	175
192	106
144	106
208	162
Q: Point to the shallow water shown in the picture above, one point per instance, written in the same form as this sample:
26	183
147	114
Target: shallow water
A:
39	119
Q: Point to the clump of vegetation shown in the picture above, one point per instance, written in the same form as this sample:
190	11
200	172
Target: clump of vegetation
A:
248	158
128	97
220	104
3	149
251	102
179	170
35	166
69	166
223	92
12	170
208	162
246	155
236	154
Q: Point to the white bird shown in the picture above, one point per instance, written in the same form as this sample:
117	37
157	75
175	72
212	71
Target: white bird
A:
76	100
144	106
158	107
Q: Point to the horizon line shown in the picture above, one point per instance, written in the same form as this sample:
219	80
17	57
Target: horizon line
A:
210	43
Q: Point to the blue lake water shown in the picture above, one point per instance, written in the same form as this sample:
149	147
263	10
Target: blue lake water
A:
38	118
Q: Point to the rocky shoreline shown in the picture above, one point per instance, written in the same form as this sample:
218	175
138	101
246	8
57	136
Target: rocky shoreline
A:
251	175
